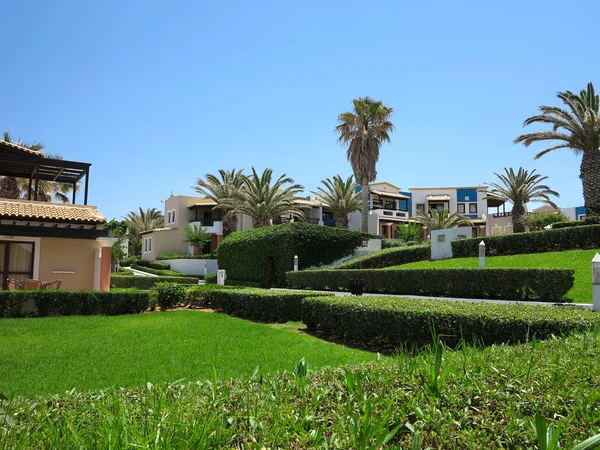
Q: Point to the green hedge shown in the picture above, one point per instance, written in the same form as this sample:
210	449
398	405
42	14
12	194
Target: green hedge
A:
263	255
210	278
502	284
264	305
152	265
128	281
388	257
165	256
385	323
69	303
164	273
126	262
556	240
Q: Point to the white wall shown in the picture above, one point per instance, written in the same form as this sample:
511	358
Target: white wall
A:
354	220
441	247
193	266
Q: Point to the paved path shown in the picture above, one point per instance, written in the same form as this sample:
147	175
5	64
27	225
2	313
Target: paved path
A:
472	300
140	273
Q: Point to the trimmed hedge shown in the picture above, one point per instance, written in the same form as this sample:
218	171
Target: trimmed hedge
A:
70	303
128	281
386	323
263	255
152	265
502	284
263	305
388	257
199	296
166	256
555	240
164	273
210	278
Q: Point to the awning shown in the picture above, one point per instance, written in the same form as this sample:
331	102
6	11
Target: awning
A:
494	201
438	198
305	202
390	194
203	202
156	230
477	221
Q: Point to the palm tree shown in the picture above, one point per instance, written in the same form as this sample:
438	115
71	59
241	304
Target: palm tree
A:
262	201
340	197
364	130
521	188
137	223
441	220
10	187
576	127
220	189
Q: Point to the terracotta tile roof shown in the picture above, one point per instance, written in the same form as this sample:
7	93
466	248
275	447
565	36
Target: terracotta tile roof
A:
303	201
44	211
19	148
156	229
204	202
477	221
438	198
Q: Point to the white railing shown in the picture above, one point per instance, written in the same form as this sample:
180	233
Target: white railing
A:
383	213
216	227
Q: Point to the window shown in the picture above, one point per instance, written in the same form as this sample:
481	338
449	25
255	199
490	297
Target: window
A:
420	206
473	208
147	245
460	208
168	217
16	261
467	198
173	217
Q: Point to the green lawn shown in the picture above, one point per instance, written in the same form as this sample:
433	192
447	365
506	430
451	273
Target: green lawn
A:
52	355
580	260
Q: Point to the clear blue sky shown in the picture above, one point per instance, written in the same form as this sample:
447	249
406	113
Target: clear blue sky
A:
155	94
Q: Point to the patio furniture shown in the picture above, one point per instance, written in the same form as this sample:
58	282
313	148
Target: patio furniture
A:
15	285
33	285
52	284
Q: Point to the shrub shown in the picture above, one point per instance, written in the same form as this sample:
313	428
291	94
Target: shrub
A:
127	281
126	262
169	295
388	257
385	323
165	256
391	243
210	278
583	237
263	305
164	273
152	265
199	296
411	232
69	303
263	255
590	220
505	284
537	222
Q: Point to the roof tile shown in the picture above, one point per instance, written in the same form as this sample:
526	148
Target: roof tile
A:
25	209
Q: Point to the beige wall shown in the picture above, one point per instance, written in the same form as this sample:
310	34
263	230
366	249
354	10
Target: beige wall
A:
60	254
164	242
499	225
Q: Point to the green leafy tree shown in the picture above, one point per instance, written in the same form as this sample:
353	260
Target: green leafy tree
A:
521	188
363	130
117	229
138	222
196	236
575	127
410	233
263	199
340	197
440	220
219	188
537	222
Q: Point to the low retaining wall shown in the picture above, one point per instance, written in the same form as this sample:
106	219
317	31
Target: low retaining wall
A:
198	267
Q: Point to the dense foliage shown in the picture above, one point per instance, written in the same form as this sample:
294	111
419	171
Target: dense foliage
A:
589	220
153	265
162	272
394	256
167	256
126	262
263	255
382	323
210	278
128	281
538	222
169	295
504	284
583	237
69	303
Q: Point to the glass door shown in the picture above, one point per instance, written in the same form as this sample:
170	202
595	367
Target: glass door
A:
16	261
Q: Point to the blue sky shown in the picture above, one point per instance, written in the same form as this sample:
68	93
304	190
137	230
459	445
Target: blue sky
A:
156	94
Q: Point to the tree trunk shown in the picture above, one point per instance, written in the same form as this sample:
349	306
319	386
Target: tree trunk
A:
229	226
517	214
9	188
365	207
341	222
590	179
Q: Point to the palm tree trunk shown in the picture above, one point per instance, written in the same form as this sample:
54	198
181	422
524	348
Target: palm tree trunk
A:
229	226
590	179
517	214
365	207
341	222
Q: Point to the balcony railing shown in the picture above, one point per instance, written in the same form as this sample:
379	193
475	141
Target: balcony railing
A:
390	212
508	214
215	226
205	223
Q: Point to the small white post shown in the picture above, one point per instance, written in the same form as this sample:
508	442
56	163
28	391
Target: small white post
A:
596	283
296	263
221	277
481	254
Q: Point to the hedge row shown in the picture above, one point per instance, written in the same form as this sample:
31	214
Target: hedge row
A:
388	257
128	281
381	323
164	272
503	284
556	240
166	256
68	303
263	255
152	265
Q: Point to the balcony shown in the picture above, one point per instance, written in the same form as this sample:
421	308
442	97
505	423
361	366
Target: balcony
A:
215	226
389	213
508	214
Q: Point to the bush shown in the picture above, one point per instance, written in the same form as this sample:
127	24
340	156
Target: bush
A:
199	296
411	232
591	220
164	273
128	281
388	257
538	222
503	284
169	295
210	278
263	305
583	237
165	256
382	323
263	255
391	243
126	262
153	265
69	303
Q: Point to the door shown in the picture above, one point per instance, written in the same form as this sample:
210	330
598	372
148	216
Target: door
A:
16	261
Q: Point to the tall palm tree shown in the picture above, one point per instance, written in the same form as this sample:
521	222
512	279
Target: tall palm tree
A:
521	188
576	127
137	223
364	130
340	197
441	220
264	200
219	189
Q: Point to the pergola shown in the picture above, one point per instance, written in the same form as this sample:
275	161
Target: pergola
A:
21	162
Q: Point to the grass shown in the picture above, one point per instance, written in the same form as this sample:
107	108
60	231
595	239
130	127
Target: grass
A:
469	399
580	260
52	355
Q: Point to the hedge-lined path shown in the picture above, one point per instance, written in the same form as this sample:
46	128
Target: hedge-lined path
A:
472	300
